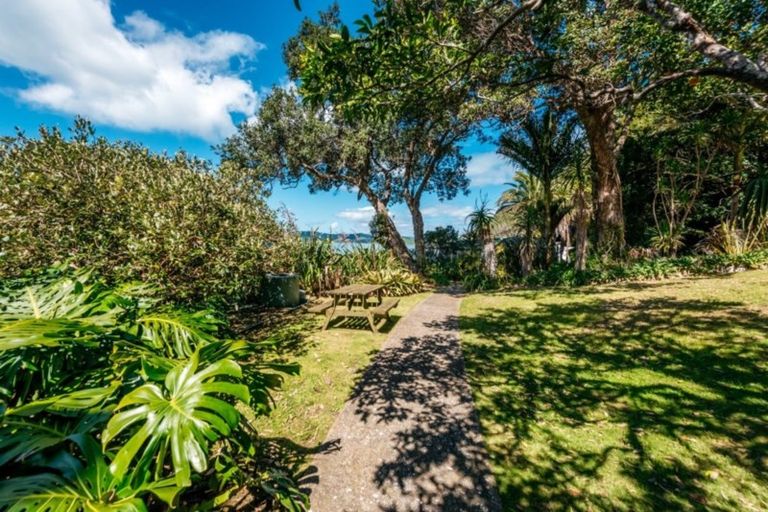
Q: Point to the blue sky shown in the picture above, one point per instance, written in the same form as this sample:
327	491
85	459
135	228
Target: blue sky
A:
180	75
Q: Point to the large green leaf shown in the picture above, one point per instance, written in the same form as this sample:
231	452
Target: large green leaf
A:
76	487
51	313
179	419
67	403
178	334
23	438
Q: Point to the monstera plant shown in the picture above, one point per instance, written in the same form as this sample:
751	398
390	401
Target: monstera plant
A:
110	400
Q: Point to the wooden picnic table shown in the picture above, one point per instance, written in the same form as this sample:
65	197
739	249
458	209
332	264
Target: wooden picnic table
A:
355	292
350	295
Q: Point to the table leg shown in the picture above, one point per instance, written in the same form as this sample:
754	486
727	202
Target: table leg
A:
379	297
328	317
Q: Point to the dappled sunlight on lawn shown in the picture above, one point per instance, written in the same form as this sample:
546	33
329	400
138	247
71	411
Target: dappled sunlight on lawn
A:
625	397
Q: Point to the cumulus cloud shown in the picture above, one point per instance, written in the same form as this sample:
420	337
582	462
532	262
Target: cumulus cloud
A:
490	169
447	210
364	214
137	74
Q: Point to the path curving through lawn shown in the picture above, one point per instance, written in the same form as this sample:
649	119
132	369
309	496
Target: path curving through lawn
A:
408	438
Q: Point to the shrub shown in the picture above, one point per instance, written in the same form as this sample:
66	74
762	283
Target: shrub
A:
397	281
132	214
321	267
109	401
318	264
645	269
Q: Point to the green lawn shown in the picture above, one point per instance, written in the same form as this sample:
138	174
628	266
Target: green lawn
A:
650	396
330	363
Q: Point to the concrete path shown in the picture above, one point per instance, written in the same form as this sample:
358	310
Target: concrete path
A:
408	437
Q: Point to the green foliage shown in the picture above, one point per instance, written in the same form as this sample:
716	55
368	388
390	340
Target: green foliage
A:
133	215
549	152
318	264
149	395
655	268
397	281
178	419
321	267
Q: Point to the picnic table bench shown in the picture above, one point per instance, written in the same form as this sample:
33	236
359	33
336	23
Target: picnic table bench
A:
352	302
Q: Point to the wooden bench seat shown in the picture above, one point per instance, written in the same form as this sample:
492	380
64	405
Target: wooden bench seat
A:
385	307
321	308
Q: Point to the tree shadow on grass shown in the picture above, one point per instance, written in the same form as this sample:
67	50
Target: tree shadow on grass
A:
416	393
652	404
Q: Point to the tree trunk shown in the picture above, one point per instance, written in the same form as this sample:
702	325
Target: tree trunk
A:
418	232
582	227
394	239
600	128
549	234
489	256
736	183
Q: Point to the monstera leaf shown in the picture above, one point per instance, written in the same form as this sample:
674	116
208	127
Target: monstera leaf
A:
53	312
80	487
25	433
178	334
180	418
23	438
68	402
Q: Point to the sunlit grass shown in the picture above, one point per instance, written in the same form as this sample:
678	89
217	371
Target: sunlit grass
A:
649	396
330	363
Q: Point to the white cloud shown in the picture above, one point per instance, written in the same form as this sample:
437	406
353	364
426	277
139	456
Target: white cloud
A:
364	214
490	169
139	76
447	210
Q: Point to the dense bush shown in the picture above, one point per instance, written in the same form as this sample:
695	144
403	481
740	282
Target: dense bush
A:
109	401
132	214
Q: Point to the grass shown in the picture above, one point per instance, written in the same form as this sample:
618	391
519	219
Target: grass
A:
650	396
330	362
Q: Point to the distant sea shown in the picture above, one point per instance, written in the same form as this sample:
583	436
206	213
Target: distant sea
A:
342	241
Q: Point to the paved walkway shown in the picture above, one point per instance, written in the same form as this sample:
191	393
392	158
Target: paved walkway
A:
408	438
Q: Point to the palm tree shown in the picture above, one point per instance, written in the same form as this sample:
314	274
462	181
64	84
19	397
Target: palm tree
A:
577	183
543	144
481	222
520	208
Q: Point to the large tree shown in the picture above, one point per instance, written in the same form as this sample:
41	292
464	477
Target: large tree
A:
599	58
427	158
396	157
290	142
384	161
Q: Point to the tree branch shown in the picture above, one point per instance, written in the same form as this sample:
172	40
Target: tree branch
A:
527	5
737	65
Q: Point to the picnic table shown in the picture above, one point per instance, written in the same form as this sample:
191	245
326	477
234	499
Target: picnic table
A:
352	301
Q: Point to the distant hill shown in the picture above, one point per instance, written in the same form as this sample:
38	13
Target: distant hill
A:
350	238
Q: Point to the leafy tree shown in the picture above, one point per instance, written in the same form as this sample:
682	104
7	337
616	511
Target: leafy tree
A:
521	210
443	242
419	146
427	159
290	142
599	58
737	65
